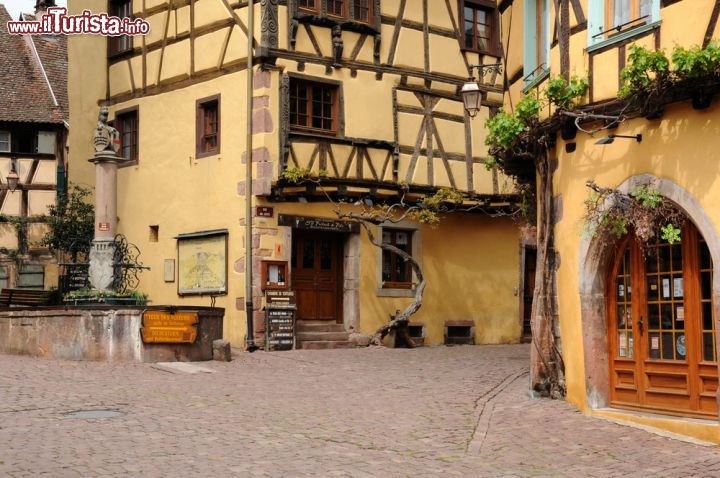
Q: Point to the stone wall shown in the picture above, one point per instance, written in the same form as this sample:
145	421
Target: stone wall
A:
101	333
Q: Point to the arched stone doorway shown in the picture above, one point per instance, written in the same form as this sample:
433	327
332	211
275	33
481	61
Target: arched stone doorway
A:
600	264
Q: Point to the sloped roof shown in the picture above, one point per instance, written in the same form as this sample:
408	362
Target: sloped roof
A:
24	93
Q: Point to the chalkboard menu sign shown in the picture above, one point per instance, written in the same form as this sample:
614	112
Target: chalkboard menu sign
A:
279	320
76	277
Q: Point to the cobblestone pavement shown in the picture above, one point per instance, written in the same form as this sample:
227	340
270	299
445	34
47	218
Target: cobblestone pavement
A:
426	412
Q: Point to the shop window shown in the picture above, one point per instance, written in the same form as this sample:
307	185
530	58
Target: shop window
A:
3	277
121	43
313	106
208	126
480	22
126	122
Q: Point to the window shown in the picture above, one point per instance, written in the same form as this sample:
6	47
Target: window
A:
31	276
126	122
617	20
396	272
308	4
621	14
5	141
358	10
479	20
121	43
537	41
336	7
208	126
313	106
362	10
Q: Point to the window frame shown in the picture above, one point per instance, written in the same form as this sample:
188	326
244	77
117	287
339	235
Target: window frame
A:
307	127
120	44
119	124
202	107
8	141
399	289
537	16
598	35
321	8
490	8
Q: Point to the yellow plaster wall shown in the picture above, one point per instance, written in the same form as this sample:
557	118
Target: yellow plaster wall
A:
679	147
179	193
87	79
469	277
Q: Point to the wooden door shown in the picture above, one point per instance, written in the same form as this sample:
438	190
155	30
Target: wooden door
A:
317	275
529	267
663	355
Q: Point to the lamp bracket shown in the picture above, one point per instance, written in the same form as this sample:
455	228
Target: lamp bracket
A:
484	69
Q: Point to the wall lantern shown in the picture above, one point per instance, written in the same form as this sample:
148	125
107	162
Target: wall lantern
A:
611	137
470	91
12	177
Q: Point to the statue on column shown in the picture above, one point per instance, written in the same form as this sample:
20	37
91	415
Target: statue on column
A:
105	137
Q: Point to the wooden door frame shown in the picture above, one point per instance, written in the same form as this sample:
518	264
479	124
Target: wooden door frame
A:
594	257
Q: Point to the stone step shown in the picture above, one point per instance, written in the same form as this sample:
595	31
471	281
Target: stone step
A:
303	326
325	344
313	336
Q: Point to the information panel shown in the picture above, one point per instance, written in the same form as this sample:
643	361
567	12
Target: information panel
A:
279	320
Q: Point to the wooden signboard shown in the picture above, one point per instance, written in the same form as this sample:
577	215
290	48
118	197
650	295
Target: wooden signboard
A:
279	319
161	326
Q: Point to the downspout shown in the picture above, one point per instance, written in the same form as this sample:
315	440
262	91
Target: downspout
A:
249	312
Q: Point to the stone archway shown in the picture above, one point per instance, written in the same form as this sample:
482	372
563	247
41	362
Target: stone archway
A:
593	258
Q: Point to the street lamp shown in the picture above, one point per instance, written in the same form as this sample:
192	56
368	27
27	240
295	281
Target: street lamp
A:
611	138
12	177
470	91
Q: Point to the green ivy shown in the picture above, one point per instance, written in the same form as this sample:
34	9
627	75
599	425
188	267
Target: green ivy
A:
696	62
566	94
644	68
528	109
503	130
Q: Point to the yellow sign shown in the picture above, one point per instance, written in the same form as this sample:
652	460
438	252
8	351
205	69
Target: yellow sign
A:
160	326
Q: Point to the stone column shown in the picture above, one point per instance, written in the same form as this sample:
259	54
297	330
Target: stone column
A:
106	141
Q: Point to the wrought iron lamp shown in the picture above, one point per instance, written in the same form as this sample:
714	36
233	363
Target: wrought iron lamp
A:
611	138
12	178
470	91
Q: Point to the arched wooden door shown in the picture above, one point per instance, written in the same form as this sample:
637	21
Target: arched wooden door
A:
663	353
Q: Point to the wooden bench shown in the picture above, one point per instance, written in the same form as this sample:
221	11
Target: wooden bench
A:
25	297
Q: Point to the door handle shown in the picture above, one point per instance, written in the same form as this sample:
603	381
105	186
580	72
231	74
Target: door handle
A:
641	326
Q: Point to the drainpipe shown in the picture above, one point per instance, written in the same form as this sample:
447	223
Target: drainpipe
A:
250	339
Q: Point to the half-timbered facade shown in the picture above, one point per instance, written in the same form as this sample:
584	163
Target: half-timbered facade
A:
642	333
33	135
363	94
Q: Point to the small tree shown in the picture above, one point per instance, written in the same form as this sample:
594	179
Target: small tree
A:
72	223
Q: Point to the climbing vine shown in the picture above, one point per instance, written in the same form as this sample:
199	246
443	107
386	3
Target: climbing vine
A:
610	213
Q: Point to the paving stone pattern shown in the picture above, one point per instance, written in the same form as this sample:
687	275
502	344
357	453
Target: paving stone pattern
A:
373	412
